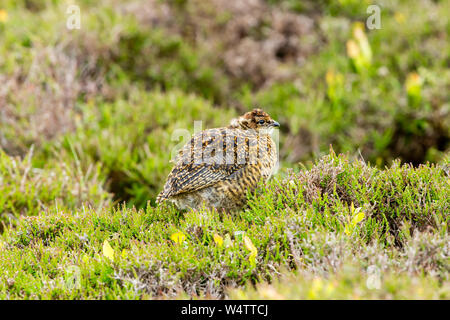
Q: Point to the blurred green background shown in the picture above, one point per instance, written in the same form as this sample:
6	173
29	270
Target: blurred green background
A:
106	98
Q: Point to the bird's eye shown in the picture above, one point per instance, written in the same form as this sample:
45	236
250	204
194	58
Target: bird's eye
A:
261	121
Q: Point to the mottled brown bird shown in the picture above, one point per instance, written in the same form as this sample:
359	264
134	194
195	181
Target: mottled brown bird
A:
219	166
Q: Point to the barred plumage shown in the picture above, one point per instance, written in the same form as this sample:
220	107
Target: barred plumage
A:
218	166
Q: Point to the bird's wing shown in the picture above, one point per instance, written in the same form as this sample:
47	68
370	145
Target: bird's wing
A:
194	177
203	162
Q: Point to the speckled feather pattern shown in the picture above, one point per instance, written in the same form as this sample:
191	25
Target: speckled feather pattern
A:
219	166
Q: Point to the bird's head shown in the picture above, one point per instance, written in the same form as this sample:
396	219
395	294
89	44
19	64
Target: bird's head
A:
256	119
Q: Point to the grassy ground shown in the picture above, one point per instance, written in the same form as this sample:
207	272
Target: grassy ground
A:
336	223
87	119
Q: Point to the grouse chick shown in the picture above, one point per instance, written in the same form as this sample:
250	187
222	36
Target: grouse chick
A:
219	166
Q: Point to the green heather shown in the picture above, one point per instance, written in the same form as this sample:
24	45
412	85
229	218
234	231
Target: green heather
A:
89	120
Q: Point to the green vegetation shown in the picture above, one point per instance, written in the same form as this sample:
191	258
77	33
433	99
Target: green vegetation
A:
349	282
26	190
89	121
304	223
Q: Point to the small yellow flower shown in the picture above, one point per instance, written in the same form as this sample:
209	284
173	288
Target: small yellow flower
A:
413	80
3	15
358	31
335	85
413	85
357	218
352	49
334	79
108	251
330	76
399	17
358	48
218	240
251	247
178	237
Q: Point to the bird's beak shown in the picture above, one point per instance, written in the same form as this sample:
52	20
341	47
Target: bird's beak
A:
275	124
